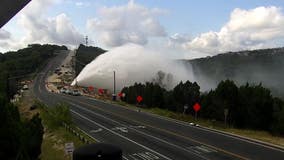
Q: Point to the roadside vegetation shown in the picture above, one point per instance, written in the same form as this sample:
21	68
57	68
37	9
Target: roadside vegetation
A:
17	65
20	138
54	116
56	135
261	135
249	107
30	130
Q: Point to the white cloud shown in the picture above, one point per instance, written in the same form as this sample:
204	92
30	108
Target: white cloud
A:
39	28
4	34
177	39
82	4
131	23
4	38
79	3
57	29
246	29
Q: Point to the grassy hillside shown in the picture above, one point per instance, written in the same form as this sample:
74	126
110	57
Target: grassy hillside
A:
84	55
20	138
264	66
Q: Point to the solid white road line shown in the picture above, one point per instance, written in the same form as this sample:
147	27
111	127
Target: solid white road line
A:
255	142
140	132
115	133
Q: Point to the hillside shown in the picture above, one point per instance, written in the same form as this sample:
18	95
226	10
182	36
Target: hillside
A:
20	137
264	66
14	65
85	54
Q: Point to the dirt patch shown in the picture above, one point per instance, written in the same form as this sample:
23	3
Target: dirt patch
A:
63	75
26	105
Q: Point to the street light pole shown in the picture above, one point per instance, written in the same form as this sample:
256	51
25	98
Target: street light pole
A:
114	94
113	82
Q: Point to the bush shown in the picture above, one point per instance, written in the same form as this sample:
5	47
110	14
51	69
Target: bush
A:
56	115
249	106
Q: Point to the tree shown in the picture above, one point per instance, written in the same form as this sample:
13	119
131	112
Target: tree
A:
257	103
278	117
186	94
34	131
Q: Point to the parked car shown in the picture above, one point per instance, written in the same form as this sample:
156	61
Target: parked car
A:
68	91
63	90
25	87
76	93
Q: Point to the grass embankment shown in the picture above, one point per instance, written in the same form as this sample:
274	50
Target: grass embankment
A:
253	134
56	135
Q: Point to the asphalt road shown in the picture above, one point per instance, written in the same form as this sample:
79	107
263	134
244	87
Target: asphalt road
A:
143	136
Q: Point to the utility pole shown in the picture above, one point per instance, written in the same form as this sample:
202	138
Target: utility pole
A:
114	94
86	40
74	63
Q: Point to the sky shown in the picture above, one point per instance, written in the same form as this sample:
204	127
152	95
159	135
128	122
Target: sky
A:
180	28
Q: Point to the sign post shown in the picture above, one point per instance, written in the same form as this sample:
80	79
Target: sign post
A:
114	91
196	108
69	148
139	99
185	107
226	112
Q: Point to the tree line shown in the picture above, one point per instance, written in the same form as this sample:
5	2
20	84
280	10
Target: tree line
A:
249	106
20	138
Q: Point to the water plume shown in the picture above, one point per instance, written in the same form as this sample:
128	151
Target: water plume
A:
132	63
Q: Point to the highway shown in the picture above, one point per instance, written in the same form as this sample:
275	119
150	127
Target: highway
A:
144	136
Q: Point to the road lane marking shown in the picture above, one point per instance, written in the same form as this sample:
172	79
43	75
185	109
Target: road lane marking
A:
143	133
205	149
237	137
125	158
201	149
192	148
96	140
133	158
115	133
166	131
143	156
121	129
136	126
96	130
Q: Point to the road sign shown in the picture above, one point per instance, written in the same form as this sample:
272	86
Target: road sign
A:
69	148
139	99
101	91
120	94
185	107
91	88
196	107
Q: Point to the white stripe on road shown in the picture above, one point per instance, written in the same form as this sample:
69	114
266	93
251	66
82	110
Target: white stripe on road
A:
143	133
237	137
120	135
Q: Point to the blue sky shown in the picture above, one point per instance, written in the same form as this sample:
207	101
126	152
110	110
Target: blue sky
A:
203	26
185	16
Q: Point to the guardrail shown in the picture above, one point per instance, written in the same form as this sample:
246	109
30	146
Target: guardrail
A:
76	133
